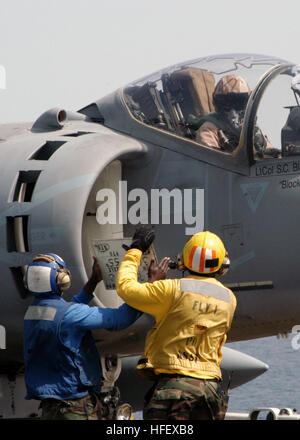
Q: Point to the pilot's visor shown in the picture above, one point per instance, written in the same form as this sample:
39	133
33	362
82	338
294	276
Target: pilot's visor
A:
229	101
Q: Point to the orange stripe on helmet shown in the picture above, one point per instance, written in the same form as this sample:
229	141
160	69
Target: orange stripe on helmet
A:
192	256
202	260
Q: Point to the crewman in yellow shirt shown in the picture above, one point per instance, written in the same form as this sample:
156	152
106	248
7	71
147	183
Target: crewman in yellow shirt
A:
192	317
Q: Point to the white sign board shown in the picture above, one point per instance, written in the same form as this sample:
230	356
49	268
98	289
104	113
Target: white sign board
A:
110	254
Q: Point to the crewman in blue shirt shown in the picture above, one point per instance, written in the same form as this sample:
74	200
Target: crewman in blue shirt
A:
62	364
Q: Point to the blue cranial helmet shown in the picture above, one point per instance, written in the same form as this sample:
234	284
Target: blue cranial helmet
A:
46	274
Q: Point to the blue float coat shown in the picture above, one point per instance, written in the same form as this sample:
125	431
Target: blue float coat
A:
61	358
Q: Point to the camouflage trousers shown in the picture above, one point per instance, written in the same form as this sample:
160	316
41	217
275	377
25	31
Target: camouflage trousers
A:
185	398
87	408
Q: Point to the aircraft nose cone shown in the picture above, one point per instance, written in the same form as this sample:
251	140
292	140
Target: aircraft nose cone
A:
239	368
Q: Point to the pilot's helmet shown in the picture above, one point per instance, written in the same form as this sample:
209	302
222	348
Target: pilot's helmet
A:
47	274
231	92
205	254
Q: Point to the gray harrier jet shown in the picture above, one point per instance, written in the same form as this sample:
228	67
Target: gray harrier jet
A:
212	143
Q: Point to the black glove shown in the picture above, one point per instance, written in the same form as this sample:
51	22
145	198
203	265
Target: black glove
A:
142	239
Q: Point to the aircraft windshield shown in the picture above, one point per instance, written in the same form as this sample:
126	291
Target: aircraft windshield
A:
202	100
278	115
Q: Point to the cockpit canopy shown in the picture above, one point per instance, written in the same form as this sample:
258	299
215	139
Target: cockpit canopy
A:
189	100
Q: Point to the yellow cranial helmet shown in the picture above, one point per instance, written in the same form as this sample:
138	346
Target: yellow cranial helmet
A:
204	253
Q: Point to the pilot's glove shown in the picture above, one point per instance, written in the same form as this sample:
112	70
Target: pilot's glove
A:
142	239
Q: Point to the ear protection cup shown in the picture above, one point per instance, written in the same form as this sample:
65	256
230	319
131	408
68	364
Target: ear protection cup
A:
63	279
60	274
225	265
180	265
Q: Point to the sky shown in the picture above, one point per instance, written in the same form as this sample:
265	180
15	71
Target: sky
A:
68	53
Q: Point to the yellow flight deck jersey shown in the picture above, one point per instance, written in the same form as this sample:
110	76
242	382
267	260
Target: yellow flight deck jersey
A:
192	317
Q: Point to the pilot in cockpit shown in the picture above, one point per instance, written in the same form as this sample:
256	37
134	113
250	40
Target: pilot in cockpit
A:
222	128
